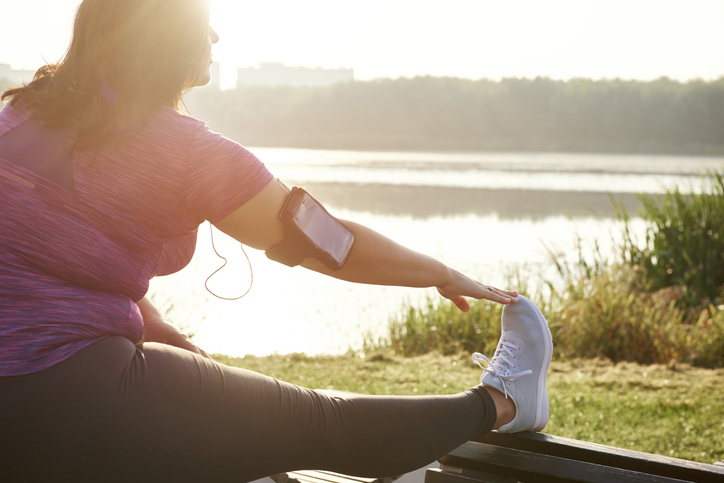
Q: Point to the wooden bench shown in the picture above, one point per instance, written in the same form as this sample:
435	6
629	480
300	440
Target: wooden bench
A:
536	457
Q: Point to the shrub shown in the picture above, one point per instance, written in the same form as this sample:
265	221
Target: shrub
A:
607	317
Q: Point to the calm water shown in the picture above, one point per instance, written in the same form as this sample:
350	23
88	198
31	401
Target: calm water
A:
484	214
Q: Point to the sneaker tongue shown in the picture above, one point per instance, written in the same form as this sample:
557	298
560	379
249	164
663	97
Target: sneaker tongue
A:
492	381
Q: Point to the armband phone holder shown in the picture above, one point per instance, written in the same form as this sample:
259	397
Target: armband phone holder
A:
310	232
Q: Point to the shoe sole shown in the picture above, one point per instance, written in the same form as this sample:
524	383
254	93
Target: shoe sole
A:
542	408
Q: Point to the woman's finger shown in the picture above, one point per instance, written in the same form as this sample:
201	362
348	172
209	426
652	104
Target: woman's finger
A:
500	292
185	343
505	298
501	296
456	293
182	341
461	303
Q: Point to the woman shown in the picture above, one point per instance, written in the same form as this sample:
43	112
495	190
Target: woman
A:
103	184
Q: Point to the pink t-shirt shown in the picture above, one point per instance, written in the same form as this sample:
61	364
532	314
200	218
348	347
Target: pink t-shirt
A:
73	264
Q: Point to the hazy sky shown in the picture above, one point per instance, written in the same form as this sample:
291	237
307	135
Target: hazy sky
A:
640	39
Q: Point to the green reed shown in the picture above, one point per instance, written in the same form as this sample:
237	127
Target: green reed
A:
438	326
444	329
684	242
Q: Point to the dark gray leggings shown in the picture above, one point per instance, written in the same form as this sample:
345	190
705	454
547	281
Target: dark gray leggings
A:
120	412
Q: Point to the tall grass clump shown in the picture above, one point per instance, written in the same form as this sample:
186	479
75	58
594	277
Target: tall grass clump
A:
605	315
656	303
684	245
444	329
438	326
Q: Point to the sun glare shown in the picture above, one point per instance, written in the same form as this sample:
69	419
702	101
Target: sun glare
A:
472	38
645	39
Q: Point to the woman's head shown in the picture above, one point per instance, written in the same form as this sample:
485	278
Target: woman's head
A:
140	45
126	59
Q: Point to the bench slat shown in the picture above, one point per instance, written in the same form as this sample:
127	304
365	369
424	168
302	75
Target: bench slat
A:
607	455
434	475
529	466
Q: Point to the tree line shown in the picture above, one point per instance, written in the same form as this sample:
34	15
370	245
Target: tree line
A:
434	113
443	113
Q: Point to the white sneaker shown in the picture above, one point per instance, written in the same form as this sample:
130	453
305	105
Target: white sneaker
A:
520	365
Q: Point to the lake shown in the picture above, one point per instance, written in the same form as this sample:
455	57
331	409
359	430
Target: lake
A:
485	214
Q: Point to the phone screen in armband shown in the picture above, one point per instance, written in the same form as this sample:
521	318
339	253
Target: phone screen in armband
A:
323	230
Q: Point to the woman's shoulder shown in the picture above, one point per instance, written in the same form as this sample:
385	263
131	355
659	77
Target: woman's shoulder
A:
170	131
187	133
185	137
170	120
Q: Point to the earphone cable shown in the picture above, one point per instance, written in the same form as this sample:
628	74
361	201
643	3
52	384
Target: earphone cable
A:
251	270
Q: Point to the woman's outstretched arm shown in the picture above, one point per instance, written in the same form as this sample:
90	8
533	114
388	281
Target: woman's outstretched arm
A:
374	259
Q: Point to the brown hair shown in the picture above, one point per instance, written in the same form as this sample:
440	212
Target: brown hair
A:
127	58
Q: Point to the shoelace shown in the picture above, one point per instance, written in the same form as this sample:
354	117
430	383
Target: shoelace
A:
503	355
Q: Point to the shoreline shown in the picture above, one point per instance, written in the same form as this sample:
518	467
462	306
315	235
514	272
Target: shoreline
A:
513	161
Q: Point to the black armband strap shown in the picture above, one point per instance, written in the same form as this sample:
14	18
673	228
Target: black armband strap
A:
310	232
290	251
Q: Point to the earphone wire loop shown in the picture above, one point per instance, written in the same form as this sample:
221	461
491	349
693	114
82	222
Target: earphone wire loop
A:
251	269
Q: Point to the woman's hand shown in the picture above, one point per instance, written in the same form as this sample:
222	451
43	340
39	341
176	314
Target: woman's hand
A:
155	329
461	286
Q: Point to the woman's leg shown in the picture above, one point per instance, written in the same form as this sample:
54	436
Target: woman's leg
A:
117	412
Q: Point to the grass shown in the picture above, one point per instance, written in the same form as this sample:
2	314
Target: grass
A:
675	410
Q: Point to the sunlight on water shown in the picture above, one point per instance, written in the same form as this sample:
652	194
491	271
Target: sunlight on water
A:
538	171
479	179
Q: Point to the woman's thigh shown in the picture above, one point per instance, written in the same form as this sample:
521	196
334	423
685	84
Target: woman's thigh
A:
120	412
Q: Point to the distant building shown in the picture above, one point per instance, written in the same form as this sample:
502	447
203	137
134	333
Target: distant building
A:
277	74
15	76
